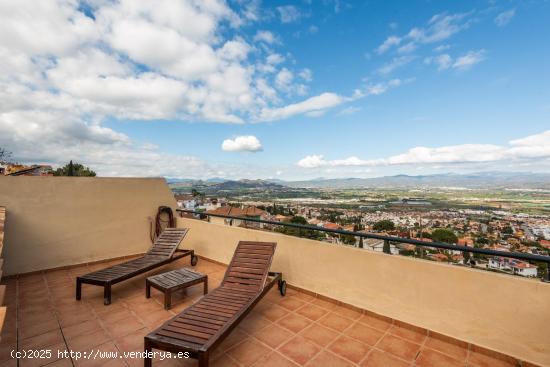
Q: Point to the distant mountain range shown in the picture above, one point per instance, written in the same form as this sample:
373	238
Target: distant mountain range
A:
218	185
512	180
492	180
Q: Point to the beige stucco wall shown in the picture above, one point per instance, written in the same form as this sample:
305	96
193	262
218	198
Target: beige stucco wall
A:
504	313
59	221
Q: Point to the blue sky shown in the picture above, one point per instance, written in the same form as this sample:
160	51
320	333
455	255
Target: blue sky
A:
280	90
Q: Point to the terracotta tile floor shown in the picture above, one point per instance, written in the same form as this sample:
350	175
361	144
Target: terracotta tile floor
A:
295	330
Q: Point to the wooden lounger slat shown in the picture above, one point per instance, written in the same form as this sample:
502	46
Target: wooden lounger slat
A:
211	311
216	303
216	309
242	294
199	318
248	265
200	329
189	332
204	326
201	313
242	274
225	301
179	336
245	244
247	252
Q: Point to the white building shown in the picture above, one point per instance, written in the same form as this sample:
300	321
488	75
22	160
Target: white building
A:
513	266
378	245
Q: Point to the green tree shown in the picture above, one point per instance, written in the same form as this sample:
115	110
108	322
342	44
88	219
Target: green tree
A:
507	230
298	220
4	154
348	239
384	225
482	240
425	235
299	232
444	235
74	169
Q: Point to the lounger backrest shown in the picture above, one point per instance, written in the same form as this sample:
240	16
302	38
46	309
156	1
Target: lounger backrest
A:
250	265
167	243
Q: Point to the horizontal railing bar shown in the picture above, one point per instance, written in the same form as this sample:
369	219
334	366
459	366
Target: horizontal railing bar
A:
441	245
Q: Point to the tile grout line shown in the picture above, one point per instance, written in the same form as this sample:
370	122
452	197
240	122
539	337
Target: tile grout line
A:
57	317
374	347
17	317
422	346
314	322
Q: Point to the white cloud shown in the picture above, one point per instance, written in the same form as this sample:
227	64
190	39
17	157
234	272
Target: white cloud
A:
464	62
284	79
315	161
275	59
350	110
442	48
318	103
306	74
265	36
533	146
407	48
526	149
64	73
289	13
440	27
382	87
443	61
395	63
469	59
388	43
313	29
247	143
449	154
505	17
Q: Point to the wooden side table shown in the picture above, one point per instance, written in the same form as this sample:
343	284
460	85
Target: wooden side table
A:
174	280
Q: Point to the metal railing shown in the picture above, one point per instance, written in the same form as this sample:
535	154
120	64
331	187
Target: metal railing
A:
390	239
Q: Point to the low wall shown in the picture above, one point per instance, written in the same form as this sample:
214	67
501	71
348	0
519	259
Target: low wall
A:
504	313
61	221
3	308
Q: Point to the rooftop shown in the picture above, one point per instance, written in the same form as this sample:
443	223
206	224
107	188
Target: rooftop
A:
298	329
345	306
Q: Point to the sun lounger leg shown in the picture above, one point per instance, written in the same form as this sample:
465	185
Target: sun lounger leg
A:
147	360
78	289
167	299
147	289
203	359
107	294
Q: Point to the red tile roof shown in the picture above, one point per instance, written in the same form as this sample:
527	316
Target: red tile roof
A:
330	225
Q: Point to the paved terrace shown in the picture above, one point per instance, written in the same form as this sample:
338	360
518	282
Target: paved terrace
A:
296	330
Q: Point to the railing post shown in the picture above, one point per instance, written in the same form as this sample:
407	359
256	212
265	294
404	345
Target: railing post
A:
387	248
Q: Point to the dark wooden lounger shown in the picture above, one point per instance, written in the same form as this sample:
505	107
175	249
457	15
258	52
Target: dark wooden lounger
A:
198	329
164	251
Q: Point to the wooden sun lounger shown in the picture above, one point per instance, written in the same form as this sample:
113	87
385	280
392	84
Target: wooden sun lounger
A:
201	327
164	251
